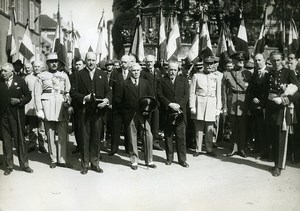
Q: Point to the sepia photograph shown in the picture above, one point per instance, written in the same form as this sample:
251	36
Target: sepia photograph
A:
149	105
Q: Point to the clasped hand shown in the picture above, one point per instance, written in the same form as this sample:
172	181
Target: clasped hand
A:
14	101
175	107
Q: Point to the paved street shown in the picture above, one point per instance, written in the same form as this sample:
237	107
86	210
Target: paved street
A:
208	184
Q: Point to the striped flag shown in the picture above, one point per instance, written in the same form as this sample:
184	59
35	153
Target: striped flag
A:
259	45
58	44
194	50
225	46
242	41
293	43
137	46
162	38
205	42
102	44
11	47
174	41
26	47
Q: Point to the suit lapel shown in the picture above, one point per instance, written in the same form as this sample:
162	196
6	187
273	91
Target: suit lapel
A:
131	87
169	84
86	79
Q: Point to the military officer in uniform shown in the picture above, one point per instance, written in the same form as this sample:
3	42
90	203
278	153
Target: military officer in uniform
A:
51	92
235	84
279	110
205	105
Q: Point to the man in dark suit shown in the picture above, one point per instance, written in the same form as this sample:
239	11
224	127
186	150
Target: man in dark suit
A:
152	75
117	76
127	98
258	95
14	94
280	114
173	95
79	64
92	94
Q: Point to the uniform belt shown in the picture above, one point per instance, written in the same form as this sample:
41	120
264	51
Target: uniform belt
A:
53	91
205	95
238	92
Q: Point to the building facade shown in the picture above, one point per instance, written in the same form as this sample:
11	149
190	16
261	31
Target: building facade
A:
26	11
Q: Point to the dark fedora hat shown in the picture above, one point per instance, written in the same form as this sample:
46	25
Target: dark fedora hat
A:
147	104
175	118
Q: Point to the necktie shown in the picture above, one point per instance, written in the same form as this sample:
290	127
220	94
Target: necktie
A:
124	74
91	75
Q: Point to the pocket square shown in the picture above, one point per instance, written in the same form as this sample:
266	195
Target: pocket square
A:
18	87
100	77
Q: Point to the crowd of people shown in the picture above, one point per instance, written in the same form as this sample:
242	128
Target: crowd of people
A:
253	104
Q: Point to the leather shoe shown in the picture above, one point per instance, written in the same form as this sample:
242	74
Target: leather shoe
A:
184	164
42	149
153	166
215	145
134	167
112	153
28	170
157	147
196	154
53	165
231	154
276	172
97	169
212	154
84	171
65	165
7	172
242	154
168	162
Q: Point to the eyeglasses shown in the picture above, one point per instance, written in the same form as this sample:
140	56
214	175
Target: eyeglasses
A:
53	61
290	58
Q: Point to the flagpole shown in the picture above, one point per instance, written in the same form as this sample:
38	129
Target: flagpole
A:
159	23
283	29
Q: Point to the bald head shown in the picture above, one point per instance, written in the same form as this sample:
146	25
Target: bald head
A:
28	68
125	62
90	60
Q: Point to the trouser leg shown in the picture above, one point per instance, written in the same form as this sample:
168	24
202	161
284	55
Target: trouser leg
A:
180	142
147	139
7	142
209	133
96	131
50	132
199	127
132	137
169	132
62	130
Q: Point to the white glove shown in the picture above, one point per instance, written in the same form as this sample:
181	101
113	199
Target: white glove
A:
41	114
277	100
218	112
104	103
193	110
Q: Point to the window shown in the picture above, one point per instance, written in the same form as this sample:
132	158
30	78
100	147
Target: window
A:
37	22
31	15
6	6
20	9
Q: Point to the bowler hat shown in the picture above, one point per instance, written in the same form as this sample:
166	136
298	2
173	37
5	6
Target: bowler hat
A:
175	118
239	55
147	104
